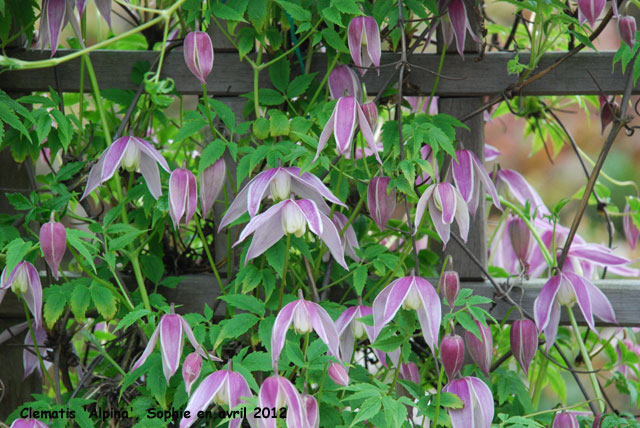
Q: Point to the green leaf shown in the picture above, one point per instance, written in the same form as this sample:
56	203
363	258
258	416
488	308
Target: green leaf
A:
297	12
261	128
369	408
235	327
451	401
225	12
347	6
257	10
211	154
275	257
278	123
15	252
188	129
131	318
104	300
360	279
388	344
279	73
224	112
334	40
245	302
80	298
64	128
9	117
55	300
299	85
152	267
468	324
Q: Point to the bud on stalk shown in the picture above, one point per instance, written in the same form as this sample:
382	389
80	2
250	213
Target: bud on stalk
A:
452	354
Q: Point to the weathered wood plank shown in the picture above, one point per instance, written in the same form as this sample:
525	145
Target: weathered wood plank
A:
196	290
231	77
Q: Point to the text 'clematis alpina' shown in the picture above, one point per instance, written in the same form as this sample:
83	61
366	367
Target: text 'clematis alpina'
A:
306	317
445	204
224	388
24	281
409	292
291	216
132	153
364	32
279	183
477	400
566	289
342	124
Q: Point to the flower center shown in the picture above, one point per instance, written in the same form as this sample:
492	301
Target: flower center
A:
131	157
412	301
566	295
20	284
437	200
357	328
293	221
301	321
222	396
280	186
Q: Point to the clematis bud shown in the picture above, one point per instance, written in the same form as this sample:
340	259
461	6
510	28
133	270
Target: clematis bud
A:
53	241
28	423
293	220
381	202
630	230
524	342
198	54
211	182
565	420
452	354
338	374
364	32
183	196
520	237
410	371
481	350
477	410
608	109
450	286
344	82
312	415
191	370
370	111
597	421
590	10
627	29
280	186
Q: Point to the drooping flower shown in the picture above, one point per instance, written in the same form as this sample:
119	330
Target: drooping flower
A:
342	124
280	183
524	342
445	204
627	29
380	200
198	54
590	10
468	173
338	373
565	419
455	23
481	350
364	32
312	413
278	391
631	232
30	360
24	281
409	292
132	153
568	288
171	330
477	400
520	238
350	329
224	388
608	108
191	370
371	113
452	354
490	153
417	102
291	216
344	82
28	423
306	317
450	286
53	242
522	191
409	371
211	181
55	16
349	238
183	196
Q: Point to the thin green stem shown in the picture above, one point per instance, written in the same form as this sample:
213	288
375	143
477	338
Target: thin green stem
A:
284	272
322	83
35	342
135	263
435	84
209	256
256	82
290	50
439	393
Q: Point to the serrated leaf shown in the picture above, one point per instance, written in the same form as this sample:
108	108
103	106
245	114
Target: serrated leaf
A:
225	12
79	302
278	123
275	257
369	408
468	324
131	318
224	112
104	300
334	40
55	300
188	129
297	12
15	252
245	302
235	327
360	279
299	85
279	73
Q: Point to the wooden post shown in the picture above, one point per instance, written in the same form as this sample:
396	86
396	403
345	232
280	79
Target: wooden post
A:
473	140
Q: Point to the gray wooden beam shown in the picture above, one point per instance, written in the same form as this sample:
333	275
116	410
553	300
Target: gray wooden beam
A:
232	77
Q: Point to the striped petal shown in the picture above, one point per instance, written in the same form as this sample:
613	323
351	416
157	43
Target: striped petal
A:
388	302
429	314
344	124
203	396
171	344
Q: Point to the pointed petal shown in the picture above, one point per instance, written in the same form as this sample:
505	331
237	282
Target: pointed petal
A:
104	7
148	350
33	295
489	187
296	410
55	18
312	183
631	232
347	342
258	190
484	399
326	133
260	220
582	296
600	304
94	180
280	328
443	230
237	207
332	239
355	41
372	33
345	123
462	217
522	190
171	344
192	196
113	158
429	314
148	149
544	302
311	214
367	133
238	390
203	396
53	242
461	418
178	190
597	254
388	302
325	328
151	173
191	370
422	205
458	16
211	181
463	174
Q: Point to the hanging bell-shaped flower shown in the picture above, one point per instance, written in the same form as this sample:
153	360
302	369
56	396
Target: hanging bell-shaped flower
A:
198	54
452	354
53	242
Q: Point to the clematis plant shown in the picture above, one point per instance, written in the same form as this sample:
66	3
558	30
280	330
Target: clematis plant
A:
380	200
183	196
53	241
24	281
468	173
364	33
276	392
198	54
445	203
477	410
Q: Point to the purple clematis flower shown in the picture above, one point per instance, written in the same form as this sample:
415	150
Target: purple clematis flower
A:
305	316
478	409
410	371
468	172
490	153
627	29
524	342
380	200
565	420
455	23
409	292
224	388
280	182
522	190
211	182
450	286
568	288
56	14
131	153
417	102
53	242
198	54
344	82
28	423
183	196
342	124
631	232
24	281
312	414
481	350
278	391
30	359
291	217
608	107
338	373
590	10
452	354
170	330
364	31
191	370
350	329
445	204
349	239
